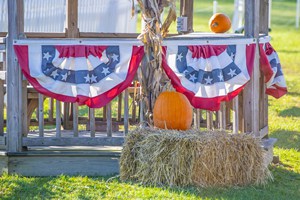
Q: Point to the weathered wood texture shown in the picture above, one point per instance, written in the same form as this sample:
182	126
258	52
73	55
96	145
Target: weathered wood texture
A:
78	141
2	143
251	91
54	165
72	30
187	10
14	81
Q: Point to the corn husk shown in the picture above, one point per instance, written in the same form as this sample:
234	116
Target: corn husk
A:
153	79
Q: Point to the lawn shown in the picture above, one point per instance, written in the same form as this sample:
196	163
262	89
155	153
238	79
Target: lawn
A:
284	123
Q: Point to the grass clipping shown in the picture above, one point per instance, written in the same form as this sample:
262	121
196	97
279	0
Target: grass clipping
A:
184	158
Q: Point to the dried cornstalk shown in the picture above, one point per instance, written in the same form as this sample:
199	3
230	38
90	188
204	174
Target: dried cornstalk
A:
153	79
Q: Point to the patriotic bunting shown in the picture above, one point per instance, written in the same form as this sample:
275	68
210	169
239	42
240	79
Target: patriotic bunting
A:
95	74
209	74
87	74
271	68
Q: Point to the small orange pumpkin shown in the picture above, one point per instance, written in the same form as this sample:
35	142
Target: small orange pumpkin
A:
219	23
172	110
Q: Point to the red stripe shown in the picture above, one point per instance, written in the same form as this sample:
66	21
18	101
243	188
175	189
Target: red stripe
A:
250	54
265	66
95	102
79	51
206	51
276	92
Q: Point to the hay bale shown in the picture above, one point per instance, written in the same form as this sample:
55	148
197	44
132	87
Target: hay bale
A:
181	158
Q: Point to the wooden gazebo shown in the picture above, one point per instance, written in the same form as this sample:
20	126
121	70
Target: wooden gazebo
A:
74	152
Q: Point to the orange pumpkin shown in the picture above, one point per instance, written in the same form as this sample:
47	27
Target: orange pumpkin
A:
219	23
172	110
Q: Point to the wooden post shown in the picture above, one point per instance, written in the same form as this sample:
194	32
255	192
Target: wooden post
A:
14	81
120	100
187	10
235	121
222	117
41	115
92	122
263	28
109	120
72	31
251	92
126	112
58	119
75	119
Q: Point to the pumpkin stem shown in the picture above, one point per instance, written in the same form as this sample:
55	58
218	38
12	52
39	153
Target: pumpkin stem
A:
215	24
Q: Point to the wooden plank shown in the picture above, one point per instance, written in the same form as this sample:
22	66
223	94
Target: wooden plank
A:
222	116
120	100
187	10
107	35
75	119
263	28
14	108
58	119
51	109
41	115
57	165
25	105
79	141
72	30
264	132
104	113
2	140
66	116
197	119
44	35
251	91
264	17
109	120
1	108
92	121
126	111
209	120
235	122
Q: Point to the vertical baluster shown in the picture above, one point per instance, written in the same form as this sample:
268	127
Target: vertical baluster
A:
75	119
1	107
120	99
92	122
58	119
235	125
126	111
108	120
50	112
222	117
196	118
41	115
209	120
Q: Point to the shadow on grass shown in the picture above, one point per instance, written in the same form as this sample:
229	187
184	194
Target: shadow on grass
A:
286	185
287	139
293	111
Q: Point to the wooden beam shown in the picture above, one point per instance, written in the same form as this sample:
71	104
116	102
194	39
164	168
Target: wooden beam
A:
78	141
264	17
43	165
14	81
72	30
251	91
187	10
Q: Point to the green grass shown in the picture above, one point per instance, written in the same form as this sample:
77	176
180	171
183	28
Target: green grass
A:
284	124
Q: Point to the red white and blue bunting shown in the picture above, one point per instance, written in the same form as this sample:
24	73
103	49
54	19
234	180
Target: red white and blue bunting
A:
94	74
88	74
209	74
